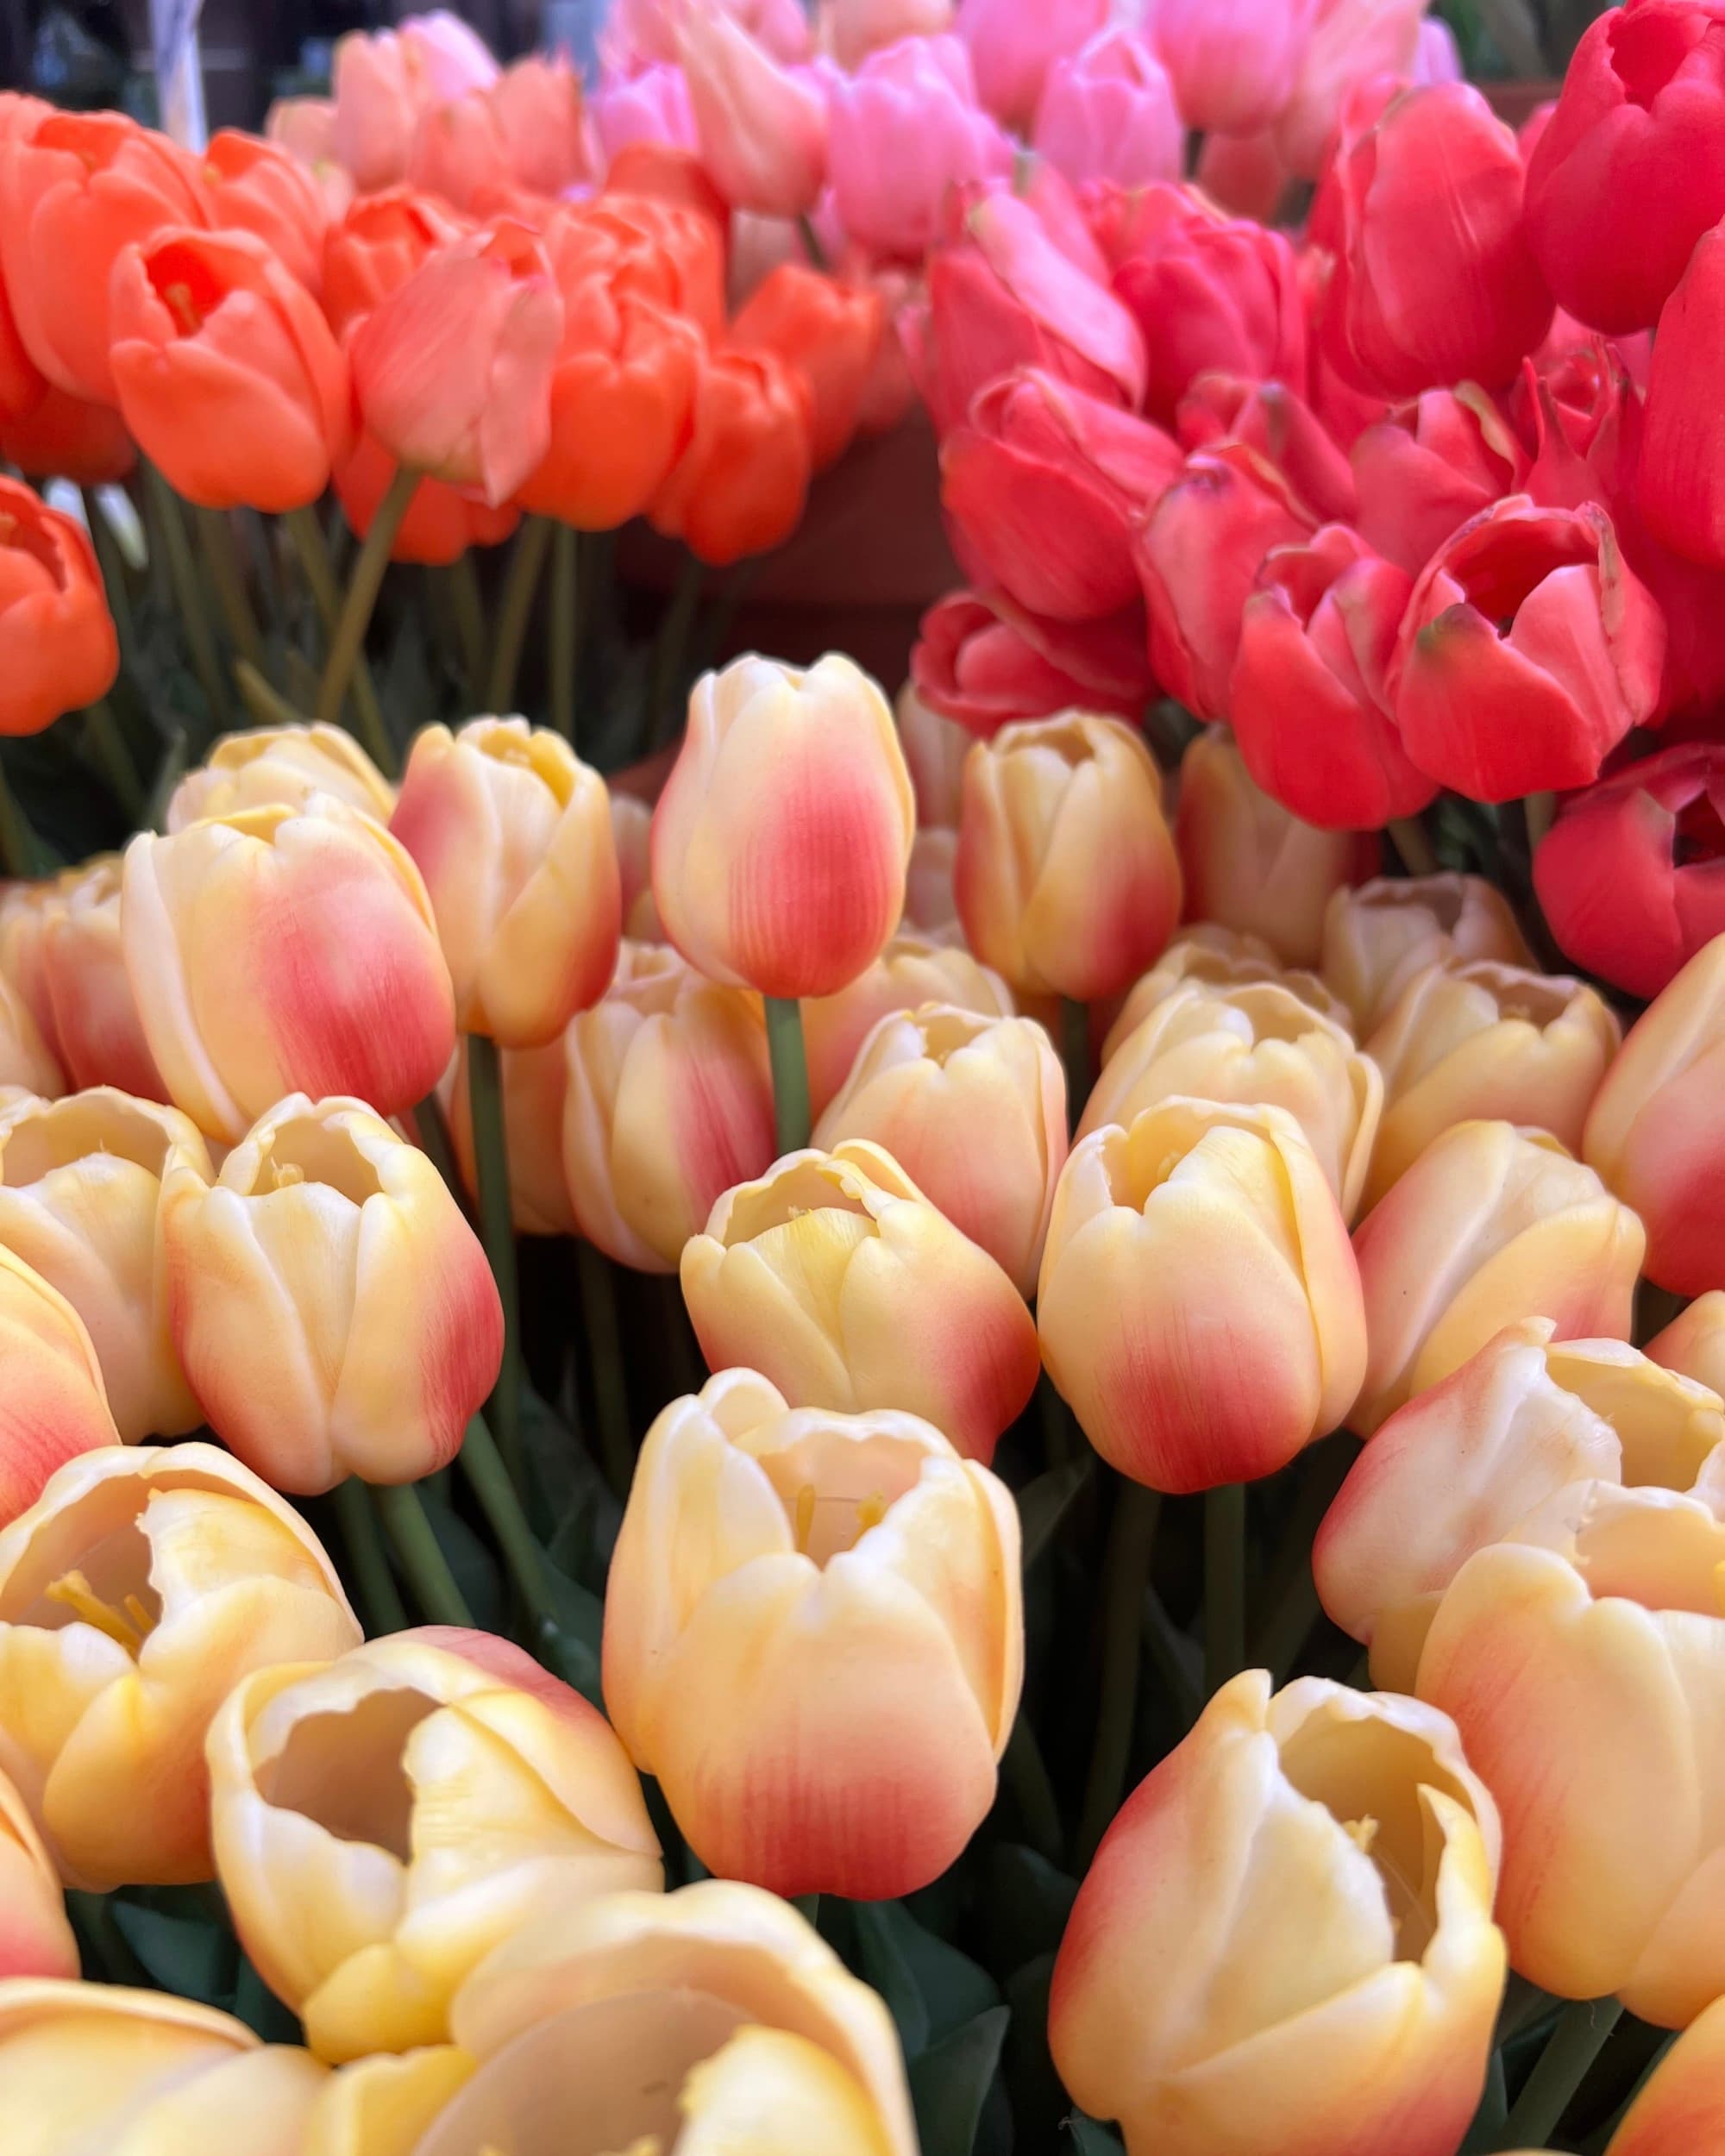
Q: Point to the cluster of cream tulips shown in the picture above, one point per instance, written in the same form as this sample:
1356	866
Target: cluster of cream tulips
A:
888	1047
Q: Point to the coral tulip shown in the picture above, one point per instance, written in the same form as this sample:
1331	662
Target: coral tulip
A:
66	437
983	672
1108	111
1218	958
915	968
254	186
377	246
440	524
1377	938
35	1938
1432	465
1693	1343
740	485
58	647
279	766
904	132
1013	47
54	1406
826	332
1233	67
1351	41
762	129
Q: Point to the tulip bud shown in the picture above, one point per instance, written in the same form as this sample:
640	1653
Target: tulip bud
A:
1262	1046
35	1940
1656	1132
135	1593
1250	865
1378	937
1683	2095
1067	879
1215	957
1109	111
904	131
761	128
828	333
59	651
1462	1464
740	485
917	967
334	1312
377	246
277	950
974	1111
1319	1814
781	841
535	1084
1694	1343
1428	468
52	1407
26	1060
77	980
1489	1226
834	1275
934	750
382	1822
669	1103
80	1190
824	1688
255	185
271	767
512	835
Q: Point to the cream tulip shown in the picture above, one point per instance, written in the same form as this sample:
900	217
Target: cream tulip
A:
1679	2108
631	832
918	966
51	1403
1214	957
26	1060
279	766
1694	1342
35	1938
1377	937
931	886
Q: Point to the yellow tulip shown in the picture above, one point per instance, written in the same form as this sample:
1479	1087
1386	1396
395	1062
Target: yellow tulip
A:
51	1403
1215	957
1694	1342
1377	937
35	1938
281	767
918	966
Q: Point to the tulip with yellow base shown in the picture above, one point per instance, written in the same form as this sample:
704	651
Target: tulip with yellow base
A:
271	767
915	968
1378	937
1694	1342
35	1938
53	1406
1212	957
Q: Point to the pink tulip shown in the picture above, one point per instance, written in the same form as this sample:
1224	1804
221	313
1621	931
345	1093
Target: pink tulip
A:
1437	57
639	34
446	58
1351	41
1108	113
651	107
904	131
1244	174
458	154
1280	426
376	111
1431	465
1013	45
541	115
762	129
1233	62
851	29
972	666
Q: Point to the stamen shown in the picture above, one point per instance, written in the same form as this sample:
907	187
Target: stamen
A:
870	1512
805	1517
1362	1833
178	300
127	1627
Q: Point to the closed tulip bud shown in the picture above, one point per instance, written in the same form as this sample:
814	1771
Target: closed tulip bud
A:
761	127
97	1030
935	749
1260	1044
27	1062
1067	879
334	1312
1315	1813
825	1680
1462	1465
281	767
741	483
1212	957
35	1938
1251	865
1489	1226
834	1277
54	1407
535	1084
1379	937
135	1593
59	651
67	437
277	950
382	1822
827	332
1014	48
80	1190
1693	1343
254	185
1684	2095
1110	112
781	841
918	966
512	834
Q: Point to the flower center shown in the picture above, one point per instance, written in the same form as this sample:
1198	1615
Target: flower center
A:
128	1623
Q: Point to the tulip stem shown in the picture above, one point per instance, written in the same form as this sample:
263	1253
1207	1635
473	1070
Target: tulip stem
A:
497	1231
566	600
1074	1054
421	1554
490	1481
379	1598
468	609
670	657
1224	1584
790	1072
1559	2071
1026	1774
18	855
431	1128
519	586
347	640
598	1305
188	591
222	558
313	549
1406	835
1125	1573
112	564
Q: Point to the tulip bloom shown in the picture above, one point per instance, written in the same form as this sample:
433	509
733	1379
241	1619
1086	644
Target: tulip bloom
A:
334	1312
440	524
93	1012
1316	1812
835	1277
1351	41
1012	47
851	29
935	748
1281	427
761	128
58	648
534	1084
1223	958
376	247
1378	937
915	968
271	767
740	485
1067	880
1528	650
140	1588
983	672
904	131
1680	493
1233	67
826	332
54	1406
1683	2095
1430	466
1693	1343
781	841
277	950
35	1938
1109	111
1491	1225
254	186
789	1756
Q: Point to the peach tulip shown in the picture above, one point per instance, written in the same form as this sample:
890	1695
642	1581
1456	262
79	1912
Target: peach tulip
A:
275	950
334	1312
1199	1306
825	1678
1217	957
761	128
1325	1858
931	886
835	1277
376	109
1489	1226
1680	2107
281	767
1067	880
1378	936
1693	1343
935	749
26	1060
35	1938
851	29
535	1084
97	1030
255	185
53	1406
632	834
382	1822
916	966
140	1588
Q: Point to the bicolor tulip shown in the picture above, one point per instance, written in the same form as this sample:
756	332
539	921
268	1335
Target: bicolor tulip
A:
1684	2095
740	484
1428	468
918	966
92	1013
58	647
1209	956
35	1938
281	767
1378	937
1693	1343
54	1406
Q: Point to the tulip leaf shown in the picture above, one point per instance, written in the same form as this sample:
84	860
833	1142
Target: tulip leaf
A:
473	1564
1044	1503
1493	2114
950	2082
887	1967
572	1650
187	1954
932	1989
258	2007
1032	2086
1023	1906
572	1496
1088	2139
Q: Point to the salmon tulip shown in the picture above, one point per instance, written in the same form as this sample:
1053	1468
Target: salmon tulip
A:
54	1406
916	966
35	1938
58	647
740	484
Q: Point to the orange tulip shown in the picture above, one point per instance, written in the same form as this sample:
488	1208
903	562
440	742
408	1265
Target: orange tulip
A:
52	1407
740	485
1378	936
377	246
441	524
1694	1343
915	968
67	437
254	186
664	173
547	140
826	332
21	381
57	648
666	251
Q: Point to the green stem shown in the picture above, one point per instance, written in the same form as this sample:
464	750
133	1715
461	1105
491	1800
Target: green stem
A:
347	640
112	563
379	1598
1026	1776
107	745
188	591
420	1554
490	1481
664	719
598	1305
18	855
1125	1573
1542	812
1408	836
1559	2071
313	549
93	1915
497	1231
468	609
221	558
565	651
1075	1054
432	1128
790	1072
1224	1584
811	240
519	585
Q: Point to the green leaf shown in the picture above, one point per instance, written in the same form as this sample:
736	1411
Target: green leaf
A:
1023	1906
950	2084
258	2007
1493	2114
1044	1503
472	1562
568	1493
952	1989
1089	2139
573	1650
187	1954
888	1968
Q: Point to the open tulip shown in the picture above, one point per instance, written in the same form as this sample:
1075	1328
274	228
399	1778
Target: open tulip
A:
824	1681
1281	427
1377	938
1489	1226
271	767
1315	1814
54	1407
333	1310
904	131
277	950
826	332
1693	1343
739	486
1108	111
1429	466
381	1823
761	128
916	967
58	647
254	185
1214	957
534	1084
835	1277
35	1938
983	672
140	1588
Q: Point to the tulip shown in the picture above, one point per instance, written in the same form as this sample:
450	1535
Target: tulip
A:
669	1102
306	129
1109	111
781	840
826	332
1489	1226
54	1407
535	1088
1249	865
1244	174
445	57
651	107
762	129
459	155
934	750
58	648
74	190
541	111
1466	302
380	1823
376	112
91	1013
439	524
1433	464
1680	492
256	186
931	893
1693	1343
1308	694
1233	67
1528	650
916	967
66	437
904	131
1223	958
1315	1813
27	1062
839	1732
1013	47
1380	937
140	1588
1067	880
1283	428
334	1312
852	29
276	950
740	485
643	247
22	384
1682	2094
35	1938
1261	1045
835	1277
226	371
983	672
377	246
271	767
80	1188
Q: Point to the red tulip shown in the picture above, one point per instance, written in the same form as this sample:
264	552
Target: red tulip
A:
970	665
1528	651
1269	418
255	186
1581	419
1431	465
1308	699
1683	451
58	649
739	486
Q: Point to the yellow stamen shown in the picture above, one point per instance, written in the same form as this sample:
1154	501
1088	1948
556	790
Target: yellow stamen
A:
178	298
870	1512
805	1517
286	1174
1362	1833
128	1626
